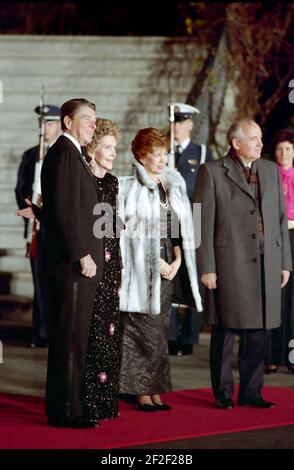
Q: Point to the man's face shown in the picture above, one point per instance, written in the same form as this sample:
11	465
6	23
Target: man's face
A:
250	146
83	125
52	131
182	130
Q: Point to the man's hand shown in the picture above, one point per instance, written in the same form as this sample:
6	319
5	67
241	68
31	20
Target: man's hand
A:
27	212
284	277
88	267
209	280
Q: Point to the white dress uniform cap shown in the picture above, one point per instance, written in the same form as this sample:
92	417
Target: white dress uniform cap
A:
184	111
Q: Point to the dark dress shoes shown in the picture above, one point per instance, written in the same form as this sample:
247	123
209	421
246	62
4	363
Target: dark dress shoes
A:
187	349
145	407
162	406
76	423
173	348
225	403
255	402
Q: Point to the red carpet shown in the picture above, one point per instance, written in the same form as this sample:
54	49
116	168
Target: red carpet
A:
23	422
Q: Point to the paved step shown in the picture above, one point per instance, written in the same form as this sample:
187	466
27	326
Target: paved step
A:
15	315
5	279
7	195
7	215
12	237
93	46
111	86
22	284
15	264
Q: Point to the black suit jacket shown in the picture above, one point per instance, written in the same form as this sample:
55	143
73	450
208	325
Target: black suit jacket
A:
69	195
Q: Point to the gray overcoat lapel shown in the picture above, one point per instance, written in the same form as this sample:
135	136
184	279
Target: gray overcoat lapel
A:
235	175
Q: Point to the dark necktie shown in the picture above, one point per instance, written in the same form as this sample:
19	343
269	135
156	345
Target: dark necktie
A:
178	151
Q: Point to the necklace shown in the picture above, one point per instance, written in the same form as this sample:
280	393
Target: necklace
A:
162	191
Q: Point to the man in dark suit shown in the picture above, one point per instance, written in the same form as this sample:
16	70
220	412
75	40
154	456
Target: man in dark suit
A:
74	262
244	259
184	321
28	186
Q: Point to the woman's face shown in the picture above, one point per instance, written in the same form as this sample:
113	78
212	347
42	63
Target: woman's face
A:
105	152
155	161
284	154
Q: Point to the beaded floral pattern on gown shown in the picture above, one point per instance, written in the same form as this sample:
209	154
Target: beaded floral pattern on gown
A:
103	358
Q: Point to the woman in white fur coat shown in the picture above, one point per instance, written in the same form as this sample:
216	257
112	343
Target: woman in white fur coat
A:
158	237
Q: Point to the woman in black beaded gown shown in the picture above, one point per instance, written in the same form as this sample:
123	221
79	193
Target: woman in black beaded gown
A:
101	385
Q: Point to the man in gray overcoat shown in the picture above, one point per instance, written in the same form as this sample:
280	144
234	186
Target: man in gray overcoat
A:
244	259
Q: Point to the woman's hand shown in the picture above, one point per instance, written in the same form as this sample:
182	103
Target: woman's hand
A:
27	212
173	268
165	269
175	265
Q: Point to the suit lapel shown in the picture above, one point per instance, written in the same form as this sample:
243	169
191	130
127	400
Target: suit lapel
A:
89	172
235	175
80	156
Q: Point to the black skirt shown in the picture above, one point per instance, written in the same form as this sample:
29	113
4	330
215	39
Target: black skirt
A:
145	364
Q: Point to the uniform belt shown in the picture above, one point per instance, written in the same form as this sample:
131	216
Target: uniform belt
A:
180	305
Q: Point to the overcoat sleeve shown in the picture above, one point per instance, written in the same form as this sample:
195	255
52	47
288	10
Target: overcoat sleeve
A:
205	195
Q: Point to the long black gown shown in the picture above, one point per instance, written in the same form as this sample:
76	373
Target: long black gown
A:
103	359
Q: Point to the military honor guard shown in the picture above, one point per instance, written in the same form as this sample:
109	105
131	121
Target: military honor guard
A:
28	186
184	324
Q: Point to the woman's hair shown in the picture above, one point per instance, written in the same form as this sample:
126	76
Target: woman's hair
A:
284	135
71	107
146	140
103	127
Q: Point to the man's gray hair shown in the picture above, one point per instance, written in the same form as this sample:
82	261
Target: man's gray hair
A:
236	132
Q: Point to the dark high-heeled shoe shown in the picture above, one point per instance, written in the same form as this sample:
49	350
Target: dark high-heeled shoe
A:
162	406
145	407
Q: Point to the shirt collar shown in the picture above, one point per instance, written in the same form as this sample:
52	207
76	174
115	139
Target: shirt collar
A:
185	143
74	141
